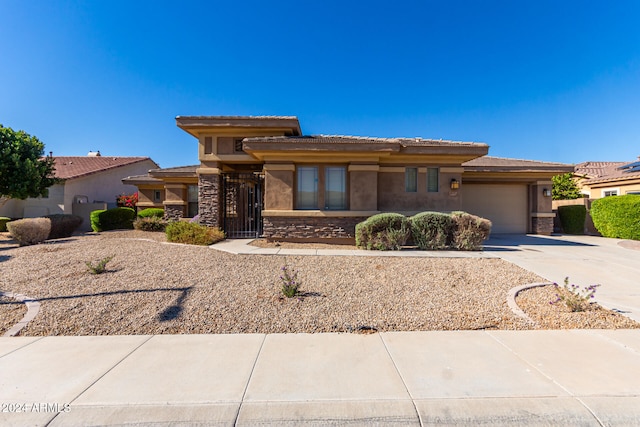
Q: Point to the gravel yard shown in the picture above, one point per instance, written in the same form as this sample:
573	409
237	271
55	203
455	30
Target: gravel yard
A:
158	288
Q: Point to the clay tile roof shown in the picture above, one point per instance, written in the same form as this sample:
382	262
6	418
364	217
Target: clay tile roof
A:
69	167
597	172
504	163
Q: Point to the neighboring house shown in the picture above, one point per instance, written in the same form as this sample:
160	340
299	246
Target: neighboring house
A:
602	179
262	176
84	180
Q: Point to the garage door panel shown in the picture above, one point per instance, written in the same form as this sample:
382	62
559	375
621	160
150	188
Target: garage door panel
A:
505	205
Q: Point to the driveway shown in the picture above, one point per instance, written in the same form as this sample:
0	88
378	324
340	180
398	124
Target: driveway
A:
586	260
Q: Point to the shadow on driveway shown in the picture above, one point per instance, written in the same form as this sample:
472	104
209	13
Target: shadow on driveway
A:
499	241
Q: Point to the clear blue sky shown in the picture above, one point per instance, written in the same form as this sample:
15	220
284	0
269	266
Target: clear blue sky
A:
545	80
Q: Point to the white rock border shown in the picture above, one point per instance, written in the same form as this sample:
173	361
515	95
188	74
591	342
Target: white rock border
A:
511	299
33	307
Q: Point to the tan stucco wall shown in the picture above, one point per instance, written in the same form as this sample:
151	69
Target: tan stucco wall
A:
597	192
145	196
279	185
393	197
363	194
175	192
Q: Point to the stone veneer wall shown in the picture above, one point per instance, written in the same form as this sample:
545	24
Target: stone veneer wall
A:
173	212
542	225
310	228
209	208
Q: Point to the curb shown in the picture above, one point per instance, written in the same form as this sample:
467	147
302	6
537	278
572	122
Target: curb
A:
33	307
511	300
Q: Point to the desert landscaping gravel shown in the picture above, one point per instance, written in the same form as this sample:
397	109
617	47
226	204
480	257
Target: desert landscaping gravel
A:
11	312
153	287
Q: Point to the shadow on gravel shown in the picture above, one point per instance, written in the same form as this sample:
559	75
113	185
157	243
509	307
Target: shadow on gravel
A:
5	258
174	311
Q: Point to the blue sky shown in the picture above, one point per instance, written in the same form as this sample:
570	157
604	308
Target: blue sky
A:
545	80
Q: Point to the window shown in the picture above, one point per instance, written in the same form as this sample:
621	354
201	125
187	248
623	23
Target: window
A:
411	180
607	193
157	196
335	194
208	145
237	145
433	184
192	201
307	187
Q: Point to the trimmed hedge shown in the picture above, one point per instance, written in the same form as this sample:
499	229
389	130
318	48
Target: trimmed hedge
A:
385	231
150	223
572	218
63	225
151	212
112	219
192	233
30	231
617	216
3	223
432	230
469	231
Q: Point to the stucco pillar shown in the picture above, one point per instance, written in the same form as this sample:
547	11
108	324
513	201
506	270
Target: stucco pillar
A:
541	208
363	187
210	197
278	186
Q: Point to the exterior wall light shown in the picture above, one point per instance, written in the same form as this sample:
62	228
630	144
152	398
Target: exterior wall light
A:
546	192
454	184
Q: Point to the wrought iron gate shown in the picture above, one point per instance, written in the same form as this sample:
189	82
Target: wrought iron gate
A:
243	197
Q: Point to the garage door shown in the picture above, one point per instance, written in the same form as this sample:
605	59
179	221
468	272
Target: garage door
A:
504	205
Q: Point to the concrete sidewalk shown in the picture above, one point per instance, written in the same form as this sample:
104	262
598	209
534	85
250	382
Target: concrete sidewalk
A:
576	377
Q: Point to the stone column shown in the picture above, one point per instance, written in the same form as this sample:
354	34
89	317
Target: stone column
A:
210	197
175	201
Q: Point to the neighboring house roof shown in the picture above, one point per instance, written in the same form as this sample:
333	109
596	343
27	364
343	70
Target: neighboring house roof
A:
490	163
71	167
601	172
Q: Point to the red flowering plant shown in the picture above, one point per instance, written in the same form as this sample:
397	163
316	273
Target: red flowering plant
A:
127	201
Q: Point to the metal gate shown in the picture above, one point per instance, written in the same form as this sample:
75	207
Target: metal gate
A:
243	197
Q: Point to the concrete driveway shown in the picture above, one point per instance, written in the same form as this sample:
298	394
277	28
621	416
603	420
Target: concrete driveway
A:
586	260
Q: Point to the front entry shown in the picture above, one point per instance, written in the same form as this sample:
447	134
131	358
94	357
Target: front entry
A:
243	197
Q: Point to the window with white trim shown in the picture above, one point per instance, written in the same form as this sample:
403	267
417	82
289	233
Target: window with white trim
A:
608	193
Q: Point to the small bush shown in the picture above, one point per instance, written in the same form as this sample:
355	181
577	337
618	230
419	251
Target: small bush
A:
151	212
192	233
617	216
386	231
290	284
63	225
575	299
150	223
100	267
572	218
469	231
112	219
3	223
432	230
30	231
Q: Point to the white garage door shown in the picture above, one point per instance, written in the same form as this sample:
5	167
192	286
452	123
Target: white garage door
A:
504	205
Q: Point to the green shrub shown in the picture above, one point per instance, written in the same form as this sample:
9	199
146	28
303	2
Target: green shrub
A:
63	225
192	233
3	223
572	218
100	267
617	216
151	212
150	223
386	231
30	231
432	230
112	219
469	231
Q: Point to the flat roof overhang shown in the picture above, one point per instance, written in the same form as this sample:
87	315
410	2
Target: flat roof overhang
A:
196	125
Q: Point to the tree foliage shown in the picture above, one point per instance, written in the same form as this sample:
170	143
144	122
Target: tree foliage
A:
565	188
24	172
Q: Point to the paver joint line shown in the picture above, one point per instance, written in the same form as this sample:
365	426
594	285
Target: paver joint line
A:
413	401
244	392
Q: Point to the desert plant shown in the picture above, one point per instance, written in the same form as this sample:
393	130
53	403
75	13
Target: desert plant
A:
290	284
100	267
572	218
386	231
3	223
63	225
469	231
192	233
576	299
30	231
150	223
151	212
617	216
112	219
432	230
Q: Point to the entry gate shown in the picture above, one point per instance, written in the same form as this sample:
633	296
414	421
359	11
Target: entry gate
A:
242	204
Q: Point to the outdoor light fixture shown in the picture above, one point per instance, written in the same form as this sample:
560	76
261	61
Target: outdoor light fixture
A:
454	184
546	192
